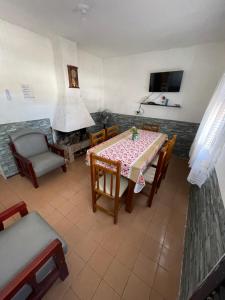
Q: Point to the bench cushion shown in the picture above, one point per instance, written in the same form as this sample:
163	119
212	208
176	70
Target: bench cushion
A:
46	162
21	242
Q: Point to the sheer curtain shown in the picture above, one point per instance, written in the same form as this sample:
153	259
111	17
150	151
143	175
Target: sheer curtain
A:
210	138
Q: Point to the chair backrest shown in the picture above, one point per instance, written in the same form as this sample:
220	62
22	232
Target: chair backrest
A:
151	127
160	165
112	131
105	176
171	144
29	142
97	137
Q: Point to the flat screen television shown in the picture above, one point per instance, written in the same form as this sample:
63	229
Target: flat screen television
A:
165	81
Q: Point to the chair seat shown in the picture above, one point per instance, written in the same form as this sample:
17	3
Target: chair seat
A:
123	184
155	161
149	174
46	162
20	243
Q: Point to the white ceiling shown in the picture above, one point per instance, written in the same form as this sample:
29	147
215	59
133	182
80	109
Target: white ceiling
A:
122	27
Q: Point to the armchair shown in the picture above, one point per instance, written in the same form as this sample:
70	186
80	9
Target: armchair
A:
33	154
31	255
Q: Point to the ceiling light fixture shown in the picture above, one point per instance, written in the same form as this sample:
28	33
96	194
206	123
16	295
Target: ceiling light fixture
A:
82	8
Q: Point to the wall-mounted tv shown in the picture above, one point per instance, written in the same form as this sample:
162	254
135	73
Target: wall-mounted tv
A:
165	81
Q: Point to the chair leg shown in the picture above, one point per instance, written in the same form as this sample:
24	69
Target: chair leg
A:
116	210
164	173
35	183
94	201
64	168
153	189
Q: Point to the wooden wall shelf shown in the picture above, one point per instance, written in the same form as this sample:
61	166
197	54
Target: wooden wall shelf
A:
175	106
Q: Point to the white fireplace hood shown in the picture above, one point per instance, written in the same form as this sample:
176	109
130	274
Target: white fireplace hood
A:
71	113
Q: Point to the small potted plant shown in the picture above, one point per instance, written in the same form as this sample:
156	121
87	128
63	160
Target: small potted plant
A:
135	133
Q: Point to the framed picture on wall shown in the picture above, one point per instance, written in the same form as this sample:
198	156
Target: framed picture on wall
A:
73	77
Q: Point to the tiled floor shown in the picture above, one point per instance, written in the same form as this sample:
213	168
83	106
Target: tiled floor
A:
140	258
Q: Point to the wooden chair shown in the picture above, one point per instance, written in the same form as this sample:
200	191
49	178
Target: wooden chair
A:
107	181
153	176
97	137
112	131
171	144
151	127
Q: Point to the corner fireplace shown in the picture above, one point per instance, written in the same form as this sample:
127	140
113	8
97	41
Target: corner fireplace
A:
74	142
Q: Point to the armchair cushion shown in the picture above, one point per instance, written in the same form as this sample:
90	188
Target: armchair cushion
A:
29	142
46	162
20	243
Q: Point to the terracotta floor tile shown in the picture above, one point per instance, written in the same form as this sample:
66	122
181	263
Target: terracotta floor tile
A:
166	284
74	215
135	236
63	226
86	248
69	295
105	292
157	231
151	249
98	249
100	261
173	241
58	289
86	283
117	276
98	232
87	222
75	263
136	289
65	208
145	269
54	217
170	259
74	236
112	241
127	254
155	296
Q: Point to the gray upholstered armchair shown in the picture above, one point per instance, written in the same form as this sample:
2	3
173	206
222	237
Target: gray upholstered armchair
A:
32	255
34	155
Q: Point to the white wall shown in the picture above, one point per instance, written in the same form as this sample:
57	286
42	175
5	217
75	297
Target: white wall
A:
127	79
91	80
27	58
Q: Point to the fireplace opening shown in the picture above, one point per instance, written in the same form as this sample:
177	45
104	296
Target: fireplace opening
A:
70	138
73	143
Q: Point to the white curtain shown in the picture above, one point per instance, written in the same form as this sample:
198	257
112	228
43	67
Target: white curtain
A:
210	138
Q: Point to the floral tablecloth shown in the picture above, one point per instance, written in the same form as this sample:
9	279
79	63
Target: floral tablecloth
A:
134	156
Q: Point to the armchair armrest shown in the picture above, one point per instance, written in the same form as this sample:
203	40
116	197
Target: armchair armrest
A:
28	274
20	208
22	159
56	150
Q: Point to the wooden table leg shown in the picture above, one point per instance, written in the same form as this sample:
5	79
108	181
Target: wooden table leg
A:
130	194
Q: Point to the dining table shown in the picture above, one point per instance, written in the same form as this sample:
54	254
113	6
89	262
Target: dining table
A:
134	155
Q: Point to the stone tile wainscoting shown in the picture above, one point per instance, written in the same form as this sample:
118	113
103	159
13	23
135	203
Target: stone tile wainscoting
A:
7	162
205	235
185	134
185	131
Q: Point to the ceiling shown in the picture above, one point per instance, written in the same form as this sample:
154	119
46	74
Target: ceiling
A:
122	27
